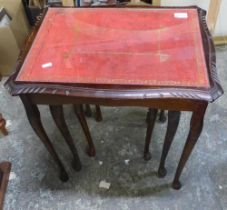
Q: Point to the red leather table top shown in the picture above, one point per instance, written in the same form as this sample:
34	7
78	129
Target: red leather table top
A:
155	47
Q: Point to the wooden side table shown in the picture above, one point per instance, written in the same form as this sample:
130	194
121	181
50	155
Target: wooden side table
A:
159	58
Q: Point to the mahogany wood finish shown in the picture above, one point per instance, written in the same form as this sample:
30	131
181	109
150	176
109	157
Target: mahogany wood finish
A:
151	116
162	116
171	98
80	115
5	168
33	115
58	116
3	125
173	121
148	116
98	112
196	127
88	111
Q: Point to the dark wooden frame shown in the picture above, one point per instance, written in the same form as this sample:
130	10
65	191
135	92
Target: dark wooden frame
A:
166	98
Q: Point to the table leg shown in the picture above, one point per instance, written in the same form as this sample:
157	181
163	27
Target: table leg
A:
162	116
173	121
80	115
148	116
98	116
88	111
151	116
58	116
33	115
196	127
2	125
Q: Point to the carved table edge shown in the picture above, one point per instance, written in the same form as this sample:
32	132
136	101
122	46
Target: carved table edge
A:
122	92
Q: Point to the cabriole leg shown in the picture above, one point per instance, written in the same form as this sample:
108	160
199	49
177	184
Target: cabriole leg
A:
80	115
162	116
58	116
33	115
88	111
98	113
196	126
173	121
151	116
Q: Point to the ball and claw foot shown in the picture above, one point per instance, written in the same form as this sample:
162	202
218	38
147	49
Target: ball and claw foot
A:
162	172
147	156
64	176
76	166
91	152
176	185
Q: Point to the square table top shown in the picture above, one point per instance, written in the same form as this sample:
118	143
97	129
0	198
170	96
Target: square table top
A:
118	46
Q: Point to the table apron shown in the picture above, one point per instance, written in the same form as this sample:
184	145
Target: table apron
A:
167	104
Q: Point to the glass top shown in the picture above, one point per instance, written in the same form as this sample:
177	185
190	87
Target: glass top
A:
120	46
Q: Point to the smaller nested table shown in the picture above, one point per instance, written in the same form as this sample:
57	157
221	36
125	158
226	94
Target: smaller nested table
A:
160	58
